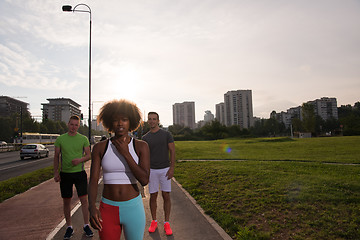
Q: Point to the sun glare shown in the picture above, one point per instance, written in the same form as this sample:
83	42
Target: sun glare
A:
126	82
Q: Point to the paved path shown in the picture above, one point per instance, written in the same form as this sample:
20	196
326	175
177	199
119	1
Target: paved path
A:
37	214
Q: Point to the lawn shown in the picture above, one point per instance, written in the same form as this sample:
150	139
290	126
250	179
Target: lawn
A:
329	149
16	185
282	188
299	198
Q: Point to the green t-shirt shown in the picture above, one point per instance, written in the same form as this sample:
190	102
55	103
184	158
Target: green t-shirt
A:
71	147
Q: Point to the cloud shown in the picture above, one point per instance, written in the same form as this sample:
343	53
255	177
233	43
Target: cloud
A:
21	68
287	52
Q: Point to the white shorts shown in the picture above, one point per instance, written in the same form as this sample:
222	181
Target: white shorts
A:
158	177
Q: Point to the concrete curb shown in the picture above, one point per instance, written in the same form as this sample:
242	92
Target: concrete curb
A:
213	223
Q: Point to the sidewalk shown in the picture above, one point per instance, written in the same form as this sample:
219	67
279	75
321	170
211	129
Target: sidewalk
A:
38	214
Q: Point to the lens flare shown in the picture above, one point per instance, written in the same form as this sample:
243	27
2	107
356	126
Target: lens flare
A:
225	148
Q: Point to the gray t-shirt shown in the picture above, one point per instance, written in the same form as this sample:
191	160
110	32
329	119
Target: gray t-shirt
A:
159	151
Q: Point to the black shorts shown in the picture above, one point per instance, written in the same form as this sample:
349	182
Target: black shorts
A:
67	180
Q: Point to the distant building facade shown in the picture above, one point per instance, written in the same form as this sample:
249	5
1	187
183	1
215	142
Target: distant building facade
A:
60	109
208	117
220	112
238	108
9	106
286	117
325	107
96	126
184	114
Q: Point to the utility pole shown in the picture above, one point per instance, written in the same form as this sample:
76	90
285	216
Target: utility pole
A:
21	119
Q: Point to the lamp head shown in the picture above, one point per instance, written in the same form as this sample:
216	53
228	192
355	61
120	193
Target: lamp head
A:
67	8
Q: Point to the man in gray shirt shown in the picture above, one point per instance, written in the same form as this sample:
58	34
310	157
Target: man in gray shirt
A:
162	164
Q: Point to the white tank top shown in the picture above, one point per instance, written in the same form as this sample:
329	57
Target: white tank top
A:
115	168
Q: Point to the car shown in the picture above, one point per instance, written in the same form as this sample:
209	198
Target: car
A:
3	143
34	151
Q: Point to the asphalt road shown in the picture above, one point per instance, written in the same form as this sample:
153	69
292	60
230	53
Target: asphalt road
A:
12	166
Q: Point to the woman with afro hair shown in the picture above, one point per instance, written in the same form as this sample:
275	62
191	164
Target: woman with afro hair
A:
124	162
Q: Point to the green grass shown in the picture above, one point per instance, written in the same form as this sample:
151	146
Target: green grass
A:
281	200
299	198
16	185
331	149
284	189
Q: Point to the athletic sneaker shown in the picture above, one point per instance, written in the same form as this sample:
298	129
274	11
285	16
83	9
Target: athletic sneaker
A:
167	229
88	231
69	233
153	226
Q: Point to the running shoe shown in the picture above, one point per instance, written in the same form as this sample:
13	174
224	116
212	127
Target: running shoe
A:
167	229
153	226
69	233
88	231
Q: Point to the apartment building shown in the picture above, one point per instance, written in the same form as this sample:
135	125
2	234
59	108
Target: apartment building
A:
220	112
60	109
325	107
238	108
208	117
286	117
184	114
9	106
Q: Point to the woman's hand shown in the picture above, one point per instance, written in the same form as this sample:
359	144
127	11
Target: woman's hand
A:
121	145
95	218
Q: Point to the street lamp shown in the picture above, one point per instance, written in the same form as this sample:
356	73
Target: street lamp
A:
68	8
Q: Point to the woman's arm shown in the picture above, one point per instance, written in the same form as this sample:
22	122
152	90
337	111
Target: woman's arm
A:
144	161
95	218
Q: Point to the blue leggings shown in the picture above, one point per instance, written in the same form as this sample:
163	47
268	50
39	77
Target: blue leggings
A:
116	215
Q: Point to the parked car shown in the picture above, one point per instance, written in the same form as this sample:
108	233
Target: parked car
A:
2	143
34	151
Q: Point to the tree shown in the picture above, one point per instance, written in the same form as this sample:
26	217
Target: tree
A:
214	130
357	108
176	129
6	130
349	118
331	125
297	125
272	127
232	131
308	115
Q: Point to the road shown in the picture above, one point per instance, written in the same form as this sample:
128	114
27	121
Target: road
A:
12	166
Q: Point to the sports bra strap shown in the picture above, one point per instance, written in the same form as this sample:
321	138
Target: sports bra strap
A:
134	146
106	147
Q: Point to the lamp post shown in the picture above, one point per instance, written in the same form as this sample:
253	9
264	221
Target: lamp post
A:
68	8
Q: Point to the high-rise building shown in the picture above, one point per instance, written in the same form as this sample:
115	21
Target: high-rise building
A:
96	126
9	106
238	108
184	114
288	116
325	107
208	117
220	112
60	109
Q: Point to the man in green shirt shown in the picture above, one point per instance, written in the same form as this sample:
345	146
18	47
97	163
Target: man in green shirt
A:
72	150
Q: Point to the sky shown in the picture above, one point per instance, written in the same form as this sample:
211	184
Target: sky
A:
161	52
